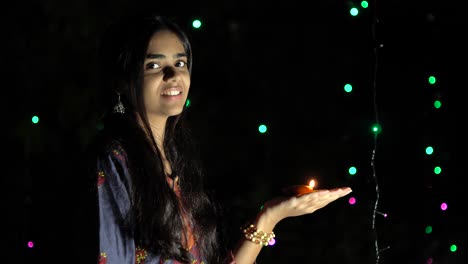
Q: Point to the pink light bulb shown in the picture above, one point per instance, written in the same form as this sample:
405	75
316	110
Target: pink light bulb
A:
443	206
272	242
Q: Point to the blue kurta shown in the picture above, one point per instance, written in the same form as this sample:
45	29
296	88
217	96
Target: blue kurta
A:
116	242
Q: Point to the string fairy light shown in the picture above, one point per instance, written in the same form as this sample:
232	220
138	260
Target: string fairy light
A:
377	46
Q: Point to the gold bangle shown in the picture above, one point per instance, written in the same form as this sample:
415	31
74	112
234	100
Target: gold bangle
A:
257	236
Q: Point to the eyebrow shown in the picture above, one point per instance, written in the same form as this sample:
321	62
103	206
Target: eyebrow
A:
161	56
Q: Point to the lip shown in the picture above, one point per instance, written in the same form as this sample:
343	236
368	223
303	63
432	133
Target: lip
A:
173	97
172	89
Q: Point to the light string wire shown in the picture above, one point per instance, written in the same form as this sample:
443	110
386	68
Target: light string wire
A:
377	46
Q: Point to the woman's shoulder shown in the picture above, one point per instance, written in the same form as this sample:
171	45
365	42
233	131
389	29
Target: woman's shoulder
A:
113	147
105	145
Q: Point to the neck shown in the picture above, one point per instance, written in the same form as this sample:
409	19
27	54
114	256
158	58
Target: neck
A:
158	126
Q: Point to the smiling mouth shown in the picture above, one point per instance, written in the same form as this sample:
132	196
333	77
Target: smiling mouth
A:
171	93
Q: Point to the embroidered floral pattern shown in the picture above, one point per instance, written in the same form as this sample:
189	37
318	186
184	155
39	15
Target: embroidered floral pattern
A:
100	178
103	258
194	255
140	255
118	153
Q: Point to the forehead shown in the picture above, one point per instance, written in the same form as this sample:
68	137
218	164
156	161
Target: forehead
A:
165	41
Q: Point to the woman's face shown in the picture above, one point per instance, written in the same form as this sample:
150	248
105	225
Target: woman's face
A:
166	76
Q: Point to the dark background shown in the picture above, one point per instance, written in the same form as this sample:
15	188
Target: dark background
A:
283	64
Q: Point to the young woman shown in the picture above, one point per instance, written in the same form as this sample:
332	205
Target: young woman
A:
151	200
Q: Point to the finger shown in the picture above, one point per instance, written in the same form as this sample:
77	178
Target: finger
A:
342	189
317	193
327	197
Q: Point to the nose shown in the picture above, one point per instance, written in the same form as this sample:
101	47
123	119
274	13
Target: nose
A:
169	73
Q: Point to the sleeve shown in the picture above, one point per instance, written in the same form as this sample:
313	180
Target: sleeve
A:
232	260
116	242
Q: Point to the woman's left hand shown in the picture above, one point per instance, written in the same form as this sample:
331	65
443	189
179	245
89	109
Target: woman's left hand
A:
282	207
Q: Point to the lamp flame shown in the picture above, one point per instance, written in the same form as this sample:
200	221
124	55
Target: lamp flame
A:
312	184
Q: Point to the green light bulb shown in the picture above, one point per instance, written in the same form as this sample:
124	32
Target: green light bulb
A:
348	88
453	248
428	229
429	150
262	128
376	129
196	23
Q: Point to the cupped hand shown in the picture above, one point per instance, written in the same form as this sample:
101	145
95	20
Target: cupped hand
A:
301	204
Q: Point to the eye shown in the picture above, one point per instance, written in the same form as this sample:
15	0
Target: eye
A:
181	64
152	65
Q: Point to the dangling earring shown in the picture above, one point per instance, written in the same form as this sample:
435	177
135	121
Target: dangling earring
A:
119	107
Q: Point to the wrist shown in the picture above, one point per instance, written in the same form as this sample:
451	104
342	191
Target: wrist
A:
265	220
257	236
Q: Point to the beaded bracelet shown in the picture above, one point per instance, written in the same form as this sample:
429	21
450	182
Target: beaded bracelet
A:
258	236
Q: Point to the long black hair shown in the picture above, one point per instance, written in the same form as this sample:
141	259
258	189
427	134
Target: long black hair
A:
158	225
